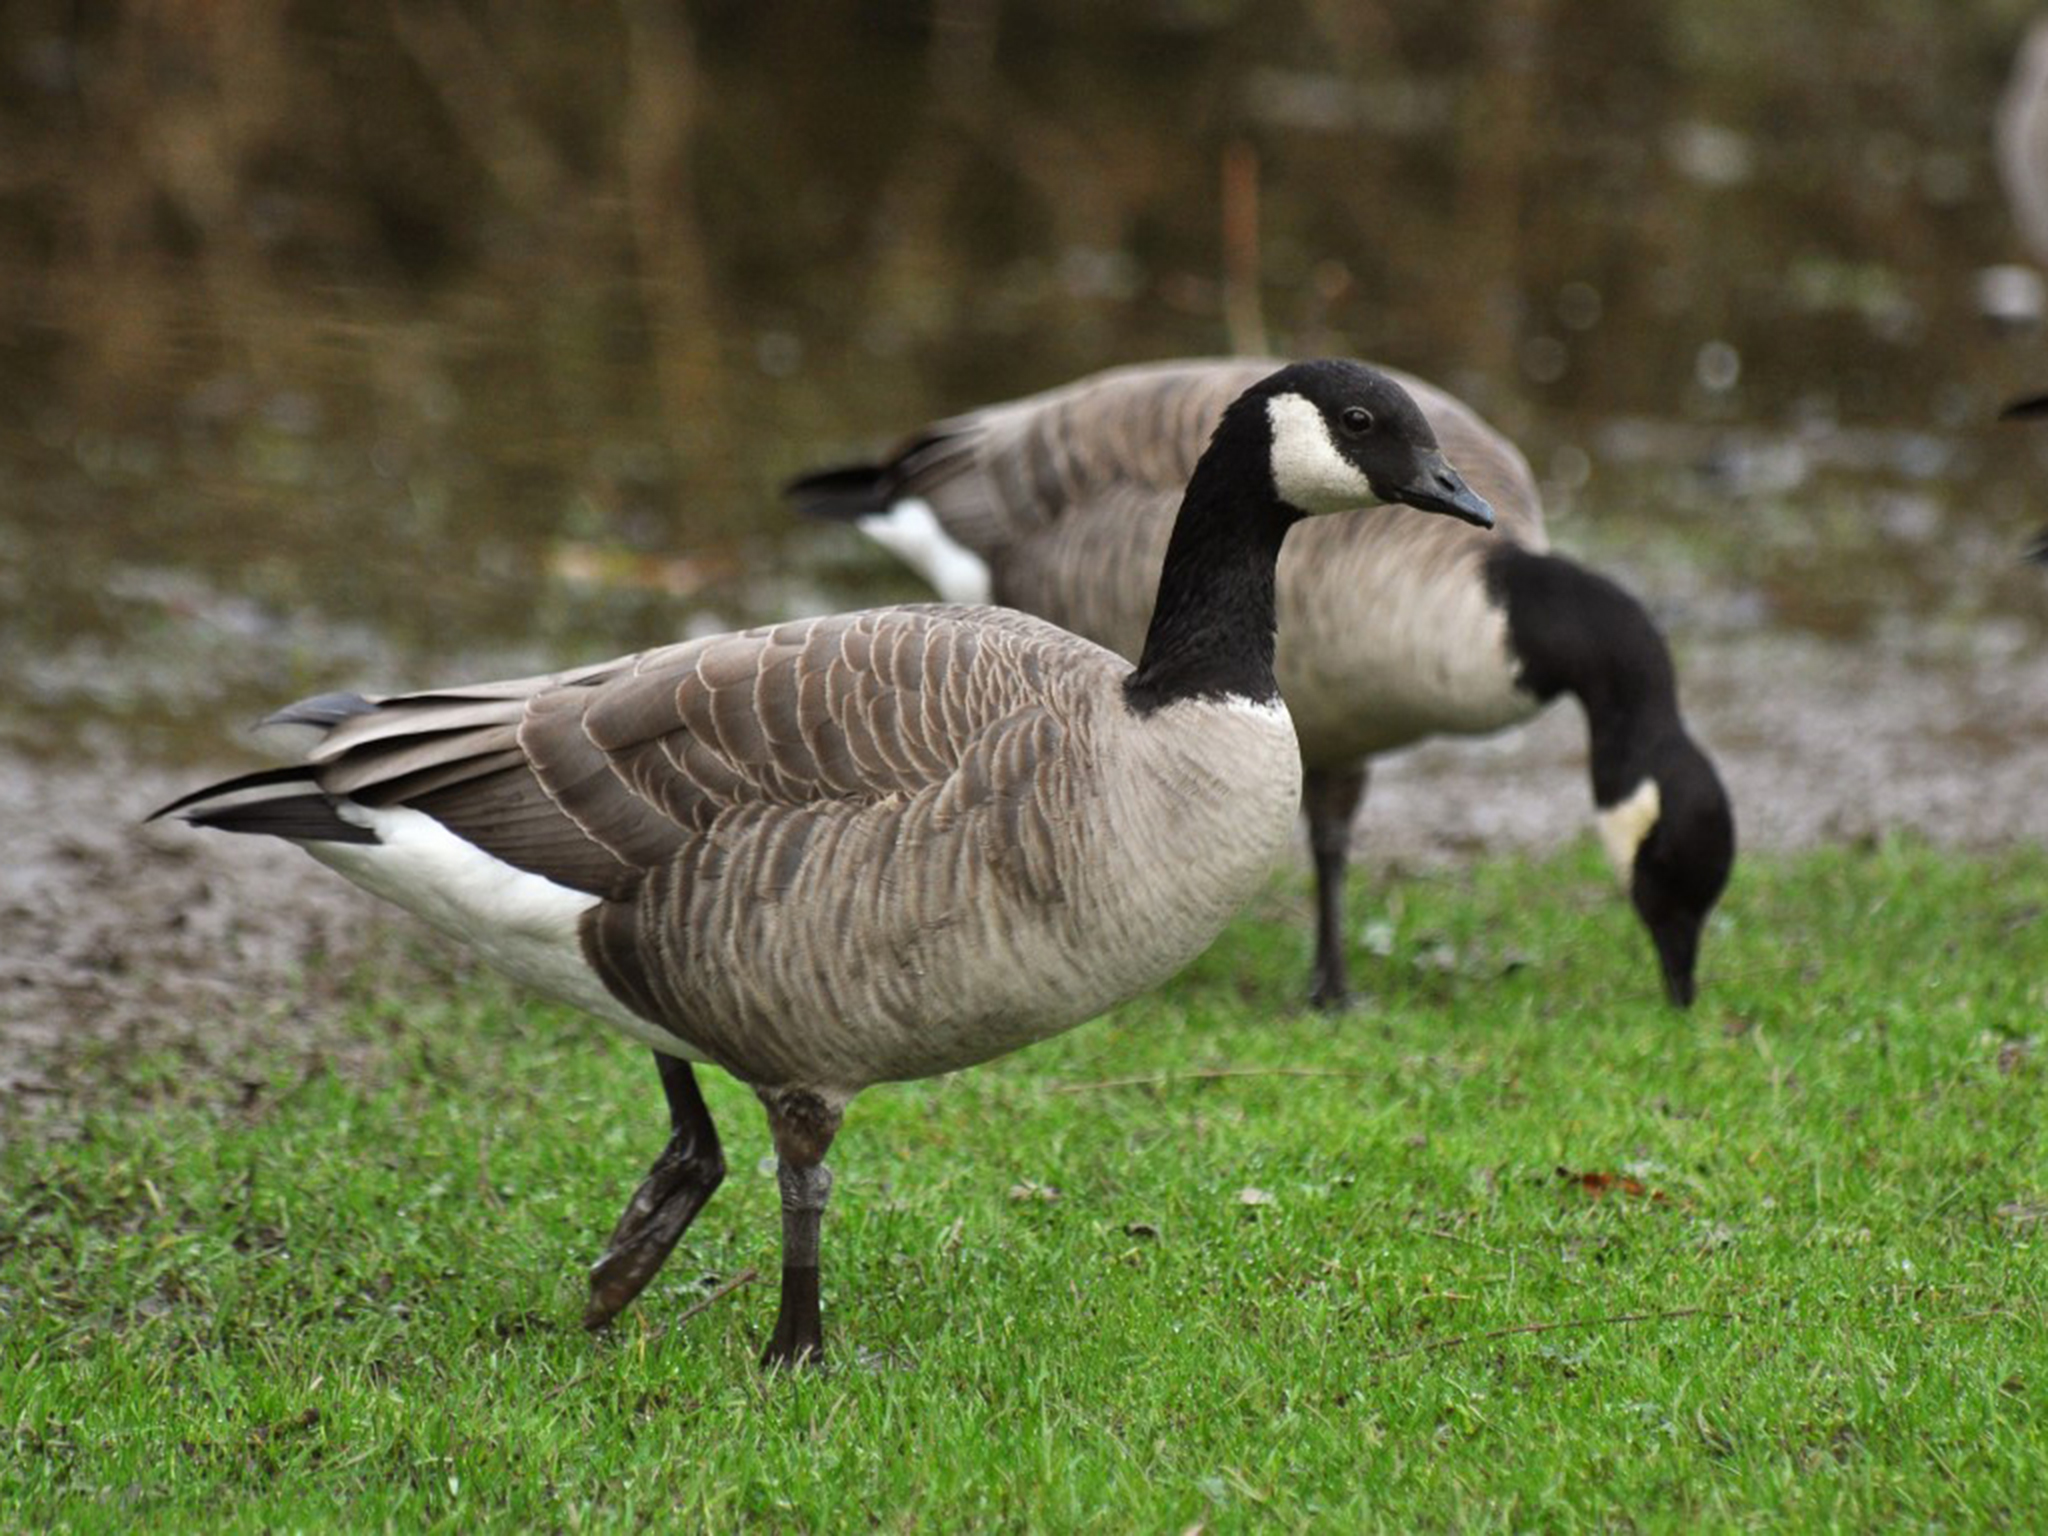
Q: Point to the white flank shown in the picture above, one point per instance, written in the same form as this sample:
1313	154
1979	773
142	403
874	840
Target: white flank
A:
522	924
910	531
1624	826
1308	471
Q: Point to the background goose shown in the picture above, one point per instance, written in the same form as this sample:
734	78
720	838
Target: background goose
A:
865	847
1391	629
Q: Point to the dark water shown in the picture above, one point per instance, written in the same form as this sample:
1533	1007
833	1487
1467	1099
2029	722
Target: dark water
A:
362	345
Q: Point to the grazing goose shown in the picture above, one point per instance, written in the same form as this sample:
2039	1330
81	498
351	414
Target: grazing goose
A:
866	847
1391	629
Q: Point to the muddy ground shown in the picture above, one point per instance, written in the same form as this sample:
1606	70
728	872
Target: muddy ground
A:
120	937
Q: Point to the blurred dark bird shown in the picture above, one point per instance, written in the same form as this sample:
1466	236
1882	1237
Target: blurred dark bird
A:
1392	629
2030	408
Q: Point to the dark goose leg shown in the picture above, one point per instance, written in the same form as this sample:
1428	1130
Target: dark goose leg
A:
689	1169
1331	798
803	1125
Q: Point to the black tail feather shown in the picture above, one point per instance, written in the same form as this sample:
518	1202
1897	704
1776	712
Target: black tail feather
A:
842	494
309	816
2038	550
263	778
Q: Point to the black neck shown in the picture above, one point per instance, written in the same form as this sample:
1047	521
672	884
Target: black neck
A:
1212	627
1578	633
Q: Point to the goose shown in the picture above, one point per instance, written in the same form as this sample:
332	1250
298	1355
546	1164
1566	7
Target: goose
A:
1391	629
861	848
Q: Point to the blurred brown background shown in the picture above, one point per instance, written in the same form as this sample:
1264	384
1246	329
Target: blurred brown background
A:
347	342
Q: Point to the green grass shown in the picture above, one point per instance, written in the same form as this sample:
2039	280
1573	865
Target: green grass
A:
325	1298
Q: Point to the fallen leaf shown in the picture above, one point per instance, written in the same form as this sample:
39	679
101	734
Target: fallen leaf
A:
1031	1189
1250	1196
1140	1229
299	1422
1600	1185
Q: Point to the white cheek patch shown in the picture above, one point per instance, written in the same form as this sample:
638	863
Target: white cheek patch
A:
911	531
1308	471
1624	826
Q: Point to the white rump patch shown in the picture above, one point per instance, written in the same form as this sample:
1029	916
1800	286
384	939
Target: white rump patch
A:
1308	471
1624	826
522	924
910	531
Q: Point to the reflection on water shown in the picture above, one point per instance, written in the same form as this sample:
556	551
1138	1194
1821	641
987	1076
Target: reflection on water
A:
363	345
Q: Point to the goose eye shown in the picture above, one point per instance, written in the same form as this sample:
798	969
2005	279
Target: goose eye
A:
1357	418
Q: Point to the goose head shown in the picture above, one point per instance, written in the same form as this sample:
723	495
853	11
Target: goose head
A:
1312	438
1672	842
1342	435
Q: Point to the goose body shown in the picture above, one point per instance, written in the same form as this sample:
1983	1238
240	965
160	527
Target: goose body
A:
1392	629
1007	818
865	847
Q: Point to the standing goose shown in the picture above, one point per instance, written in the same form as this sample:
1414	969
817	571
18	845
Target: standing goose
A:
1391	629
866	847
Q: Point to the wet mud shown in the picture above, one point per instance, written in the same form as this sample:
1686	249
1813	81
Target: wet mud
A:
122	937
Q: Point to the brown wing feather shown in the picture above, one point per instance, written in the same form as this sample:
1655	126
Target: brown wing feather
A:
594	778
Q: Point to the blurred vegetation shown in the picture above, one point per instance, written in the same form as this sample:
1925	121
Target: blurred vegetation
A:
705	193
299	300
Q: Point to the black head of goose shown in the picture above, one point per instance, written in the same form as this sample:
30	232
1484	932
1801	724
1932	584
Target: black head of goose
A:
1663	814
1392	629
865	847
